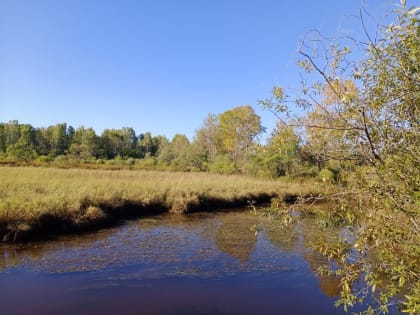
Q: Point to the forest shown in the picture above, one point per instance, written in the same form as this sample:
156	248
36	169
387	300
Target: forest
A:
226	143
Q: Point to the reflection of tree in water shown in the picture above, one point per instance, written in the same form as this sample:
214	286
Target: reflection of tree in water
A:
237	237
8	258
286	238
154	239
282	236
329	284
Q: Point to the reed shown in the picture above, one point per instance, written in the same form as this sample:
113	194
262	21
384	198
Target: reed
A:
49	200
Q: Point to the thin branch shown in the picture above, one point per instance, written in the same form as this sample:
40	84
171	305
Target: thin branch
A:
326	127
369	139
322	73
367	34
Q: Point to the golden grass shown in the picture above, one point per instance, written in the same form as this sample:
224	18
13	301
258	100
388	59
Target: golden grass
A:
30	196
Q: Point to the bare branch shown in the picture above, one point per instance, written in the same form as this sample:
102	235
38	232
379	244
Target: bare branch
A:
367	34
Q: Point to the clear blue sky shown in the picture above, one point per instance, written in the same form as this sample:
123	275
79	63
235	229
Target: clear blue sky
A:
154	65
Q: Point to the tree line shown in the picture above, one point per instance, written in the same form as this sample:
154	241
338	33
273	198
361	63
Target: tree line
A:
23	142
226	143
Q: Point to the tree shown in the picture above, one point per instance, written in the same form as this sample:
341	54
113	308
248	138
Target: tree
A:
112	142
21	152
197	156
377	127
227	138
11	132
3	146
58	138
146	145
329	131
207	137
283	150
180	147
70	134
85	143
175	153
23	149
238	129
129	142
42	141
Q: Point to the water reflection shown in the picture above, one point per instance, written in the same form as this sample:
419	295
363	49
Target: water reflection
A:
269	259
196	239
238	238
329	284
284	237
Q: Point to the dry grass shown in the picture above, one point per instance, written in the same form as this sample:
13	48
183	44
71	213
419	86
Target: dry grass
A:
38	198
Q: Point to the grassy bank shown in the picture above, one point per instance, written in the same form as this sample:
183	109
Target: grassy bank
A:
42	201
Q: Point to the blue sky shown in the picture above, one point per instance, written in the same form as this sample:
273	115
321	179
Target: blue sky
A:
154	65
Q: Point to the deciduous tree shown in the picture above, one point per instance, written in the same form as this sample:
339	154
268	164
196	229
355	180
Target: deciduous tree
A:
238	129
377	126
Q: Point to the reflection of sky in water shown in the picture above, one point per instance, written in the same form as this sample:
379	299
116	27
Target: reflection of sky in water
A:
199	244
236	251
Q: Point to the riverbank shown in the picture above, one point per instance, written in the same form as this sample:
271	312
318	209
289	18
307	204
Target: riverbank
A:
40	202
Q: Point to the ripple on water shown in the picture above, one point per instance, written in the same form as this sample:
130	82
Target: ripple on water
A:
238	252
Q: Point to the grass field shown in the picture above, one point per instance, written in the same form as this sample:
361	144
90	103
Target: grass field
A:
37	201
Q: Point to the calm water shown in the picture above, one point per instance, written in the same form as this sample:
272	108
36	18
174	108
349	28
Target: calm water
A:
212	263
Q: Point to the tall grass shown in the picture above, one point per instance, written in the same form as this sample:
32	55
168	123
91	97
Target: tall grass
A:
33	199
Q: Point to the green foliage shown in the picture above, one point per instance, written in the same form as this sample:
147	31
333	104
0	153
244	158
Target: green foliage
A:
147	163
360	124
262	164
326	175
275	104
21	152
227	141
44	159
237	130
283	148
175	153
230	134
84	143
58	139
222	164
81	146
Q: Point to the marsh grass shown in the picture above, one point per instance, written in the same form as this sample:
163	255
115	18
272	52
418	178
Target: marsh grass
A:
43	200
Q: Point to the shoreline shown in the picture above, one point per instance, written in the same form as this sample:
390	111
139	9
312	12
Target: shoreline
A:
38	203
49	226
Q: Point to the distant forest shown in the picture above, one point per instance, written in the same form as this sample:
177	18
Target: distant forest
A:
226	143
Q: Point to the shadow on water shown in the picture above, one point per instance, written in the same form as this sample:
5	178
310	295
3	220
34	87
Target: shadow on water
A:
203	263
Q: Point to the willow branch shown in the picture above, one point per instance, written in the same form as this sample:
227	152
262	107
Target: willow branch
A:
368	137
322	73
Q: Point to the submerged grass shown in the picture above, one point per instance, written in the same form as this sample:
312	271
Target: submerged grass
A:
37	201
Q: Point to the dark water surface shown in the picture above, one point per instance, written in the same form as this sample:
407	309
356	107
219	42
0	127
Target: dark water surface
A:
204	263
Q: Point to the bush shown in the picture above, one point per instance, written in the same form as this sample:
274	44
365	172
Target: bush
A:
222	165
326	175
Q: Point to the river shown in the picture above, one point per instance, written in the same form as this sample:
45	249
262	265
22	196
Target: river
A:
232	262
